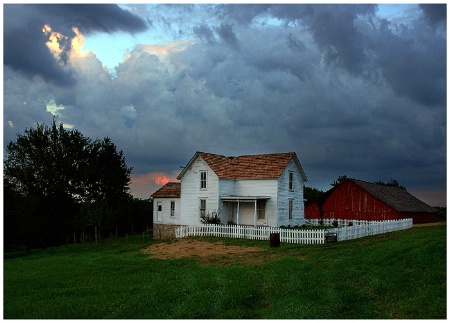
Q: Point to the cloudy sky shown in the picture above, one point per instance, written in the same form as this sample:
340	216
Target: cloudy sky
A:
356	90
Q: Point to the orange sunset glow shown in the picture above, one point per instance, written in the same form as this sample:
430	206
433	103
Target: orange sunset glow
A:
143	185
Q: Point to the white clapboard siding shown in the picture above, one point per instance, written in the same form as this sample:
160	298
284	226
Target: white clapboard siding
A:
296	195
191	193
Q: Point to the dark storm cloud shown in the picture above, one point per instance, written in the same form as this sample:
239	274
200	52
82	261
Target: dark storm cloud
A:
351	92
24	41
412	60
435	13
413	63
227	34
242	13
25	49
205	33
91	18
335	33
333	28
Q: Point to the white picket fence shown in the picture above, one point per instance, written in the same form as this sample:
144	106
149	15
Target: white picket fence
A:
250	232
358	229
361	229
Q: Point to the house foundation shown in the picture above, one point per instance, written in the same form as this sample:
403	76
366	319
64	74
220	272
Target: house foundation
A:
164	231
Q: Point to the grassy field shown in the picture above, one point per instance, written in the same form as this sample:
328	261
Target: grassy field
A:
400	275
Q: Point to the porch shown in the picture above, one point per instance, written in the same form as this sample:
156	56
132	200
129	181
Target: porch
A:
245	210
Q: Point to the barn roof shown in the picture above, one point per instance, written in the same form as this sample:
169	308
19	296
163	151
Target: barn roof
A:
398	198
171	189
248	166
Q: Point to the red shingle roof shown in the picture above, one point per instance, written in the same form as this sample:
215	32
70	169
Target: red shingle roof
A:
248	166
171	189
241	167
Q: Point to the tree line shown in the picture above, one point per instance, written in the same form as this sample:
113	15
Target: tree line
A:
61	186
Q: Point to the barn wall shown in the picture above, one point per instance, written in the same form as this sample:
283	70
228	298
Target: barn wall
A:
349	201
422	217
312	211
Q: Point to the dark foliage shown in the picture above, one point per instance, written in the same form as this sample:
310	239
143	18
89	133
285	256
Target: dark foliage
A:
57	182
339	180
442	213
391	183
311	194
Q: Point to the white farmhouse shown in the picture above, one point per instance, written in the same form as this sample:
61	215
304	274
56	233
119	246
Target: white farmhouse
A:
258	190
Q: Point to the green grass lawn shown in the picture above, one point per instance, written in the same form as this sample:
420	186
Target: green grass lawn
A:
400	275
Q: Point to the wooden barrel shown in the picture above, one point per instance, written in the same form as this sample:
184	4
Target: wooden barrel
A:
274	240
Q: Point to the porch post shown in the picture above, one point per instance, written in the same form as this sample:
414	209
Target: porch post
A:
254	219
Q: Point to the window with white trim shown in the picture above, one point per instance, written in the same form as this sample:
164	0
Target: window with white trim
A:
202	208
291	208
261	208
172	208
203	180
291	181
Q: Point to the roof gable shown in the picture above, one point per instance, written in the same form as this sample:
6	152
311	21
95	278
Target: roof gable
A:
397	198
171	189
248	166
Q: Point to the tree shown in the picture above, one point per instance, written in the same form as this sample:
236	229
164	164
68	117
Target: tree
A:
339	180
135	215
60	170
108	174
17	219
391	183
311	194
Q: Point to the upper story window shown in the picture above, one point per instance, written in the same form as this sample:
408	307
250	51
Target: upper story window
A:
291	181
203	180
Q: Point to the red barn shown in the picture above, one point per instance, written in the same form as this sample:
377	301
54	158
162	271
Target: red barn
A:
358	200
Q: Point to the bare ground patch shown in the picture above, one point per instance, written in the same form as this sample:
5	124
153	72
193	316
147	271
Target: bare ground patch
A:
206	252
